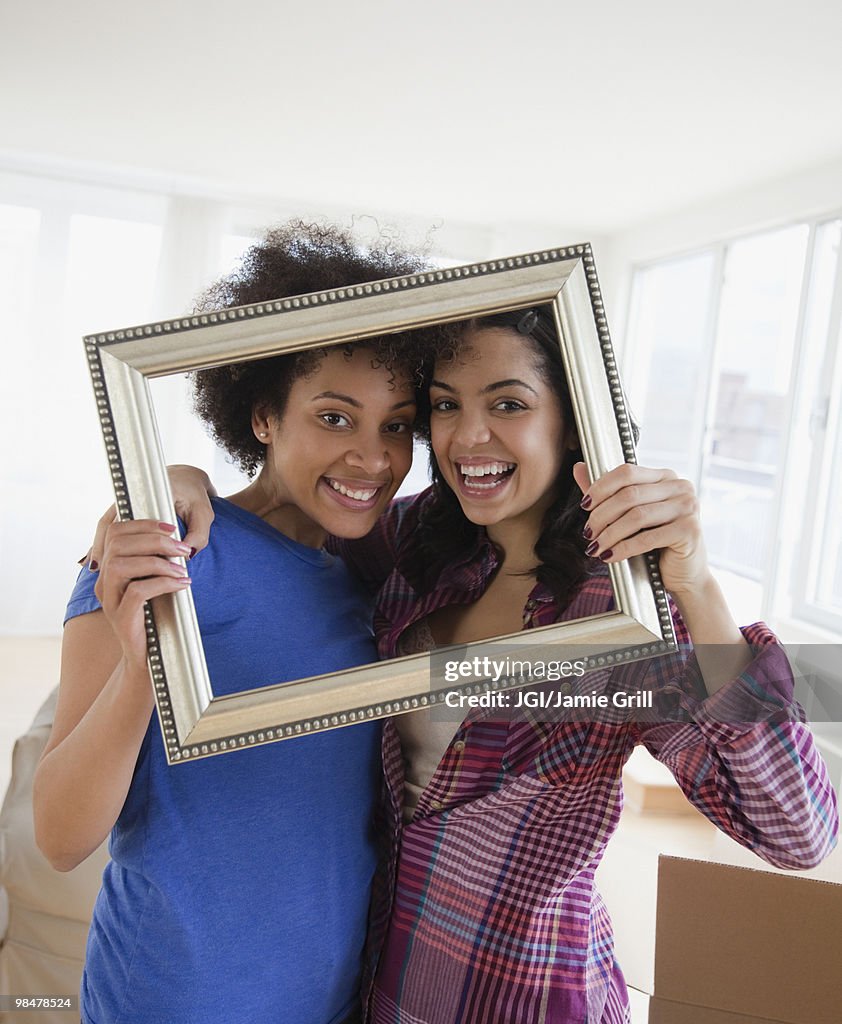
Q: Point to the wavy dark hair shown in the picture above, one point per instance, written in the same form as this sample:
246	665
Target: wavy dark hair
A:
445	535
293	259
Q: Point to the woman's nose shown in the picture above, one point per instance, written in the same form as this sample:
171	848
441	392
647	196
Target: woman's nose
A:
471	429
369	454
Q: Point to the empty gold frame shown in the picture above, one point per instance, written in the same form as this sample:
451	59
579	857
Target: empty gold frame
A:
197	724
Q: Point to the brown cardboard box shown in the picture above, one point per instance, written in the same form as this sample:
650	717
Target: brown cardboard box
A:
739	946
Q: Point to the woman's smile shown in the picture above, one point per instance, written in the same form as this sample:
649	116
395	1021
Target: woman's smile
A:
484	479
354	494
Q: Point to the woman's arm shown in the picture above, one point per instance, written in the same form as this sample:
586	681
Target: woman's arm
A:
192	490
743	756
743	753
105	696
372	558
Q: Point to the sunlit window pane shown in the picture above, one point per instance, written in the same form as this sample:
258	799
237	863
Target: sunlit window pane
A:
19	228
666	379
19	450
231	250
757	318
112	271
829	590
18	240
828	537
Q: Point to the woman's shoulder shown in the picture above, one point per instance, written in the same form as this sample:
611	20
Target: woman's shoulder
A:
82	598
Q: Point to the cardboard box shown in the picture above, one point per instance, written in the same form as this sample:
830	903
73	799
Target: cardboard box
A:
738	946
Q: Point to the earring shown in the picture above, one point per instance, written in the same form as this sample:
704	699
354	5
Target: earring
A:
263	433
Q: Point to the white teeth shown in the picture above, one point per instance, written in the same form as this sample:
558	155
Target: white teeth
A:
472	475
356	495
486	470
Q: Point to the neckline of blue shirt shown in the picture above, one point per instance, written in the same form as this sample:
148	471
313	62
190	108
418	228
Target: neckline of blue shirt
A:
315	556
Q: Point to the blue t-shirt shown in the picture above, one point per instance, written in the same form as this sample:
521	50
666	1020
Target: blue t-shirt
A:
238	886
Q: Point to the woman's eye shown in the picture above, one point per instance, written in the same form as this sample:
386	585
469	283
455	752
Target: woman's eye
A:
334	419
510	405
398	428
443	405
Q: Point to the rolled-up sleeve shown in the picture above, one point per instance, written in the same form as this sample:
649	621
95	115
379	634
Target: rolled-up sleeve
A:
745	756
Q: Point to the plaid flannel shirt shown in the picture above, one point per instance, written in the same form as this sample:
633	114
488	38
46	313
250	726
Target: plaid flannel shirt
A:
485	909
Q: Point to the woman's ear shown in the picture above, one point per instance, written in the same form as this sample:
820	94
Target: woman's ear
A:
260	424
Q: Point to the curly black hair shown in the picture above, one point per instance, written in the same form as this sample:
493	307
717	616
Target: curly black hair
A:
445	534
293	259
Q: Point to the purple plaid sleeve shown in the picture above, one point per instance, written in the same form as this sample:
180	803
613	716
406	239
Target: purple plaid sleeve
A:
747	760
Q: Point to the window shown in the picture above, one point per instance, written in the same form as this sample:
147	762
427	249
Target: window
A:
666	379
730	356
747	417
72	261
19	229
818	575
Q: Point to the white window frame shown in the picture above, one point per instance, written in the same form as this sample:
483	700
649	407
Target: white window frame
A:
825	411
787	582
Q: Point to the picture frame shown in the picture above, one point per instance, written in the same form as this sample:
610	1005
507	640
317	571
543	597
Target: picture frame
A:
194	722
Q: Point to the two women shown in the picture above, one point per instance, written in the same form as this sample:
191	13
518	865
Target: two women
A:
485	909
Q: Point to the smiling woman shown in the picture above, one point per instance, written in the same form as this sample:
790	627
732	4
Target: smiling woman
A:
196	849
495	822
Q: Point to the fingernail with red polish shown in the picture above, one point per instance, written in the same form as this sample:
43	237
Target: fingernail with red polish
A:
93	565
592	548
586	502
606	554
587	533
192	552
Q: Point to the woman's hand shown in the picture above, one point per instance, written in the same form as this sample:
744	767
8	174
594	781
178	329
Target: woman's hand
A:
633	509
192	491
135	568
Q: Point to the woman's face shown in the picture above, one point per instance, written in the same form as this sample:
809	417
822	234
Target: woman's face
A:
497	428
342	446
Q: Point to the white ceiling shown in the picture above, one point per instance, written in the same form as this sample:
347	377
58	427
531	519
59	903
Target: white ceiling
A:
595	114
